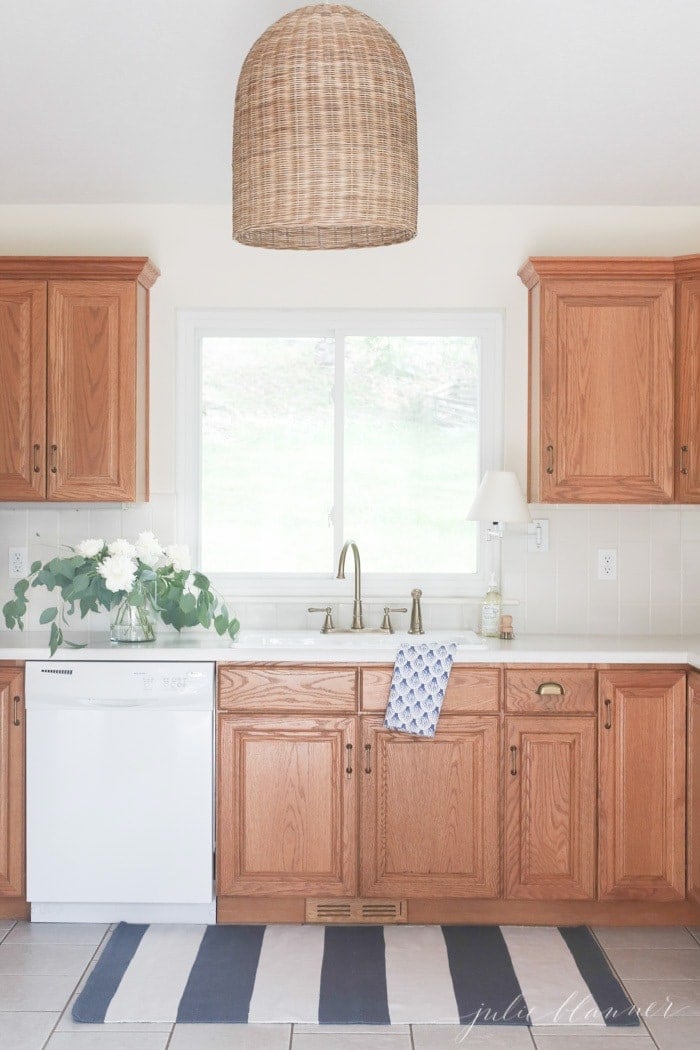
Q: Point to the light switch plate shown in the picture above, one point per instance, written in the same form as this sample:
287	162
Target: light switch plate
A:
538	536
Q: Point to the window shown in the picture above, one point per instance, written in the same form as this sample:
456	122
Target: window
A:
299	430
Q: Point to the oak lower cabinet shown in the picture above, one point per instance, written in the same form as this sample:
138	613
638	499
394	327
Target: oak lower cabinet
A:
11	782
549	794
550	808
74	362
430	810
642	770
287	809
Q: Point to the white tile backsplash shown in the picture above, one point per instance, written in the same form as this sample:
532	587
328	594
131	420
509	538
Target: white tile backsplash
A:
657	591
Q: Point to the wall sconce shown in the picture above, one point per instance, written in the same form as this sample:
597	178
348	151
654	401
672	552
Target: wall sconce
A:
499	501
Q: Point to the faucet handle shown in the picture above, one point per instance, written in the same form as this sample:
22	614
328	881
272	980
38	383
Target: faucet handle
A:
386	622
328	624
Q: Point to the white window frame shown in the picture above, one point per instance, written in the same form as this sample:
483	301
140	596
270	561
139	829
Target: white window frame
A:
195	325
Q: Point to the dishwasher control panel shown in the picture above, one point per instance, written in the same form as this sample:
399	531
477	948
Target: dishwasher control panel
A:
86	682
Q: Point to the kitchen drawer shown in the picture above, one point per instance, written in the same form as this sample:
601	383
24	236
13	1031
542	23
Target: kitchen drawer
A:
469	689
555	689
262	688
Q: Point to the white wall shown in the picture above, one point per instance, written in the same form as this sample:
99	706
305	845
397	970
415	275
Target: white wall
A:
463	257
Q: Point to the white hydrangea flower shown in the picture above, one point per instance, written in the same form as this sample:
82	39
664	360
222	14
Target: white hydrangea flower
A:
119	572
178	555
89	548
148	549
122	548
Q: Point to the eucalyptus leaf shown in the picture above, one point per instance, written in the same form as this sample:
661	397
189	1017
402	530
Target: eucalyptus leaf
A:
80	584
55	638
49	614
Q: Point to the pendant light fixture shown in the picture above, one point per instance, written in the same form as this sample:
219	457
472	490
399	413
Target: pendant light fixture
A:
324	135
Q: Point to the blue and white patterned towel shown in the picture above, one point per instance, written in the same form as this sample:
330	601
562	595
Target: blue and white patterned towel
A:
418	684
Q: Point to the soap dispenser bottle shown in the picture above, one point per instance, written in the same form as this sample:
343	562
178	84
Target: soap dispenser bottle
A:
491	610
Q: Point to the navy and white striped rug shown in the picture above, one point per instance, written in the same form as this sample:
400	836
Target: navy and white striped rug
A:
515	975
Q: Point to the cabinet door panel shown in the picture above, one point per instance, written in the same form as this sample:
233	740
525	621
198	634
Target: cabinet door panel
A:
92	394
550	808
287	806
11	782
694	786
642	785
23	390
430	810
688	392
606	385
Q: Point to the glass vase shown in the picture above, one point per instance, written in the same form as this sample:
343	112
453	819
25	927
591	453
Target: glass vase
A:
131	623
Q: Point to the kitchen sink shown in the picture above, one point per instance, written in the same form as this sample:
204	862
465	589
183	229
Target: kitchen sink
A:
354	640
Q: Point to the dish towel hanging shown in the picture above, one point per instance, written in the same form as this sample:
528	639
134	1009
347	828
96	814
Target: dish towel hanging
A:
418	684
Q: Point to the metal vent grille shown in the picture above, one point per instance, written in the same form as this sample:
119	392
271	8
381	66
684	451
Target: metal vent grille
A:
353	910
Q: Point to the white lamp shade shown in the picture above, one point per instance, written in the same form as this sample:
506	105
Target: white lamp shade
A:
499	498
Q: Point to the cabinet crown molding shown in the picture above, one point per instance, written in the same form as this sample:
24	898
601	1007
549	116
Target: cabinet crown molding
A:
601	267
80	267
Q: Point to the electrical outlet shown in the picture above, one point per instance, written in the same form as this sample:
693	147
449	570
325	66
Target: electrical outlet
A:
18	563
607	564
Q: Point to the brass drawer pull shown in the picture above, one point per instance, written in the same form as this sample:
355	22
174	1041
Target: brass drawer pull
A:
16	720
684	461
550	689
550	459
348	768
37	468
513	761
368	758
54	451
608	714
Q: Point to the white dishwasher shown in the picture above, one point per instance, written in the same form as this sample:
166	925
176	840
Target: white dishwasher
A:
120	791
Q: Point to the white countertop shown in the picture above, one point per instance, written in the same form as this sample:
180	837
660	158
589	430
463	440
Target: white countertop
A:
313	647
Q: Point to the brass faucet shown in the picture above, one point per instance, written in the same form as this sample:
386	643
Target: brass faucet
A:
357	622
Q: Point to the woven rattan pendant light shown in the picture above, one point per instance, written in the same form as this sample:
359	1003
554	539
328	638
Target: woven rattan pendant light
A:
324	135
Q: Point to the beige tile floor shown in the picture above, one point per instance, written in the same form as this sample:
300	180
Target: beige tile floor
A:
42	967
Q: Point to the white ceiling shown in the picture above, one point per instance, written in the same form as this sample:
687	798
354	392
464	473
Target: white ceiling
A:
544	101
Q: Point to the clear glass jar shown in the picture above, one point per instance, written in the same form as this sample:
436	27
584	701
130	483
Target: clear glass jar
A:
131	623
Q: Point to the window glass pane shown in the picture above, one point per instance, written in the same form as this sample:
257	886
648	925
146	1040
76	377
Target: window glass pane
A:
412	451
267	455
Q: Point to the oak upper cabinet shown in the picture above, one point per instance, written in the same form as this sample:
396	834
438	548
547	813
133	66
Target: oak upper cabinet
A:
642	769
550	783
287	805
601	380
688	380
74	348
694	786
11	782
430	811
23	389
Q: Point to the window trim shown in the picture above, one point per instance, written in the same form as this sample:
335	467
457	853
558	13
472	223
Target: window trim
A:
194	325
